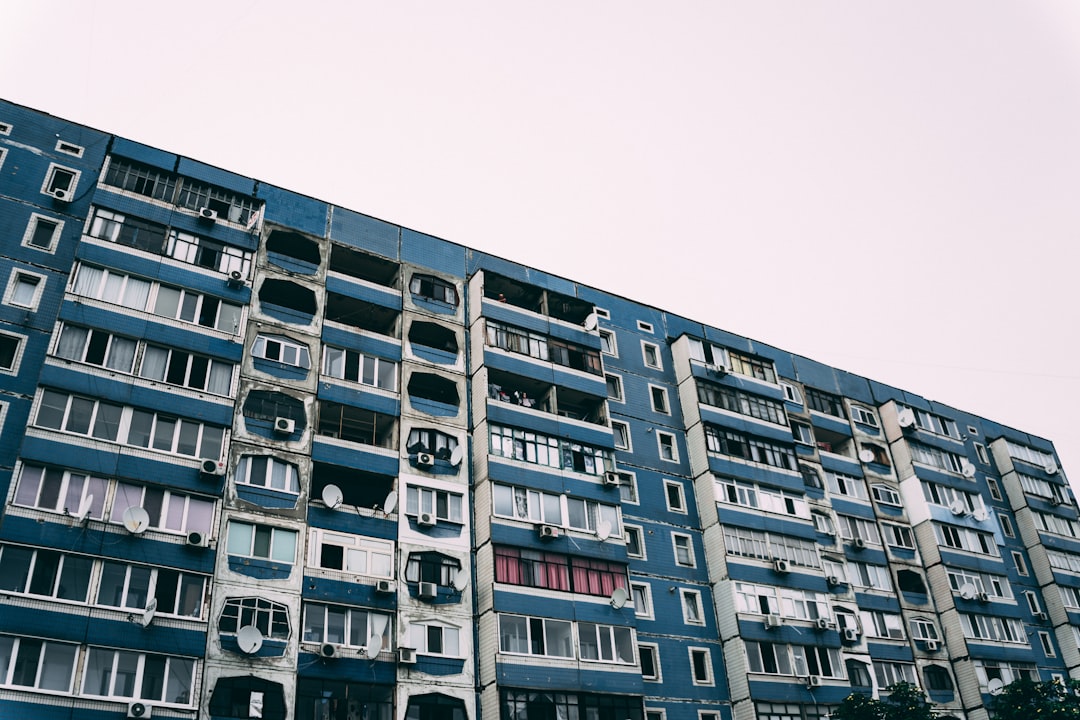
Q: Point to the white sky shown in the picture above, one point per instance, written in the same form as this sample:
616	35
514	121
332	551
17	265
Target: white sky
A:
890	188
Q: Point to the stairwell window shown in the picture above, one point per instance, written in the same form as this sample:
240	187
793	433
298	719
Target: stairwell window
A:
42	233
24	289
650	353
60	179
668	449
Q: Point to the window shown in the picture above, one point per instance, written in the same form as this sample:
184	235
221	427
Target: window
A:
684	550
10	352
126	230
38	664
283	350
749	366
747	494
666	443
650	353
823	523
890	673
1006	525
42	233
535	636
69	148
856	528
659	398
995	586
520	341
60	490
628	488
641	594
941	459
886	495
791	393
601	312
539	449
614	387
357	367
923	629
863	415
351	553
24	289
207	253
45	573
621	434
744	542
876	454
741	402
961	538
824	402
899	536
433	288
433	638
608	346
701	666
635	543
184	369
261	541
995	489
802	433
96	347
134	675
246	696
605	643
649	654
340	625
937	424
432	567
1047	644
846	485
1032	602
80	415
691	607
980	452
749	448
810	476
674	493
433	442
644	326
521	503
5	128
937	678
60	182
168	510
799	660
132	586
871	577
443	505
268	472
989	627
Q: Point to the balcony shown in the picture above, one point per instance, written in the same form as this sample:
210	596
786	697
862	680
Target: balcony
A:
535	299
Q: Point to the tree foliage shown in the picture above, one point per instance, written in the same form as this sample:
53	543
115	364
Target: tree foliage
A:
1028	700
904	702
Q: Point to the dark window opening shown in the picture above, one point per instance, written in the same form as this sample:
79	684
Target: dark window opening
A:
433	387
434	288
825	402
288	295
534	705
833	442
340	700
233	697
293	245
910	581
363	266
858	674
575	356
937	678
432	567
270	405
435	706
361	314
357	424
580	406
527	392
503	289
569	309
43	232
433	336
142	235
358	488
426	440
9	349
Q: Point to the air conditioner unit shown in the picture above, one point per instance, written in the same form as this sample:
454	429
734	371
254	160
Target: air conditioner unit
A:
822	624
426	519
813	681
208	214
425	460
983	597
210	466
851	635
197	539
548	532
932	646
65	196
384	586
612	479
719	370
428	590
781	566
406	655
772	621
833	580
1041	616
285	426
236	279
858	544
327	650
138	710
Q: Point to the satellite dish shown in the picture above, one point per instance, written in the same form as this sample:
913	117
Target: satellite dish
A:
967	469
905	418
332	496
603	530
591	322
981	515
995	686
461	580
457	456
85	508
374	645
390	503
619	597
148	613
136	520
967	591
250	639
867	456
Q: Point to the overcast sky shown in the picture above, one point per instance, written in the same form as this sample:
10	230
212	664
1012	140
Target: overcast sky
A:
892	188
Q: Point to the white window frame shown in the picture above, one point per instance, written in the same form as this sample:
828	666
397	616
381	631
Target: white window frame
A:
645	347
16	359
38	679
980	451
863	415
627	445
47	186
618	384
1006	526
274	532
286	343
114	678
31	227
640	533
601	312
608	337
3	151
644	609
291	479
428	497
13	279
645	326
70	148
894	533
995	489
665	401
791	393
318	537
628	480
660	435
1019	563
418	637
879	489
711	676
675	537
1047	644
680	496
690	600
805	434
654	650
5	128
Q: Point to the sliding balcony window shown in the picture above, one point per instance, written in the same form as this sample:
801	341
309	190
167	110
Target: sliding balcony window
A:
799	660
207	253
96	347
540	449
168	510
521	503
941	459
523	342
825	402
130	231
177	367
131	587
44	573
554	571
347	626
990	627
130	675
748	447
742	403
184	192
59	490
31	663
271	618
961	538
744	542
738	492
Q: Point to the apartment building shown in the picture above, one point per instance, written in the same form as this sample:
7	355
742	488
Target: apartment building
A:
266	457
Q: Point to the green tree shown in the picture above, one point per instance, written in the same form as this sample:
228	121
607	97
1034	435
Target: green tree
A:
1028	700
904	702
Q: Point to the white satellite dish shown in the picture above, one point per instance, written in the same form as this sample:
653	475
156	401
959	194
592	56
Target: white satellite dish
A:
461	580
603	529
250	639
591	322
905	418
85	508
995	686
867	456
148	613
332	496
374	645
957	507
967	469
619	597
136	520
981	515
457	456
968	590
390	503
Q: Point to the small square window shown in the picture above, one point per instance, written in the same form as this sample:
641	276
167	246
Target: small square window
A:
601	312
650	352
668	451
673	492
635	541
691	607
659	399
24	289
644	326
650	662
69	148
11	347
608	346
701	666
60	182
614	387
42	233
684	550
1006	526
628	488
642	596
995	489
621	433
973	431
1019	564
